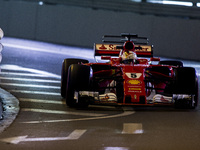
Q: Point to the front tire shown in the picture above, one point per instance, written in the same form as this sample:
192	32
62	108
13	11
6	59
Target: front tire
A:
64	73
78	80
186	82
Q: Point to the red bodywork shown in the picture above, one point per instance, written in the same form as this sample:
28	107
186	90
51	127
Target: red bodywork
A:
130	76
133	76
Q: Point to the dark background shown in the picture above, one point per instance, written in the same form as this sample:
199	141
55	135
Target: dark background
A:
173	30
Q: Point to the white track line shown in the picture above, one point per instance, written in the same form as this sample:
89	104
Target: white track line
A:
132	128
19	68
22	74
29	79
35	92
76	134
41	101
30	85
126	113
61	112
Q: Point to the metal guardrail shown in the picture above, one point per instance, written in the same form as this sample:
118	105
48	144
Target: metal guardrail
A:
143	7
1	48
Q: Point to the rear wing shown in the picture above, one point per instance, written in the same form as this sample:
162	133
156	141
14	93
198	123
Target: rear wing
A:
114	50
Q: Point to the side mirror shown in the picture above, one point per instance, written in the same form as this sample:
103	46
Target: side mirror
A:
154	61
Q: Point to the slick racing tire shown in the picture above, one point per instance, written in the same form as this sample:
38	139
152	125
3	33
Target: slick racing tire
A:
171	63
64	73
78	80
186	82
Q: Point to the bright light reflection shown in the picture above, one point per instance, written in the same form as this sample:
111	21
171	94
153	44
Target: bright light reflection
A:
62	112
35	92
198	4
30	79
19	68
31	85
136	0
40	2
49	48
41	101
116	148
181	3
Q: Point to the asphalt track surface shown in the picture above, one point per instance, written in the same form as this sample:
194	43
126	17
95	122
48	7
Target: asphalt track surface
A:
36	116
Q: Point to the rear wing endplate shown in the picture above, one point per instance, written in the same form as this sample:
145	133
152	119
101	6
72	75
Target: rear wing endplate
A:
114	50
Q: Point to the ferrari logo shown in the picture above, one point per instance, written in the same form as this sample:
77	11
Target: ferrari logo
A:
102	47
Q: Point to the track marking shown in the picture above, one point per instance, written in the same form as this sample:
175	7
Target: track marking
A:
30	80
116	148
132	128
41	101
22	74
75	135
125	113
35	92
19	68
62	112
30	85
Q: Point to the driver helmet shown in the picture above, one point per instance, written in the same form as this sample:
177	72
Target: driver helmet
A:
128	52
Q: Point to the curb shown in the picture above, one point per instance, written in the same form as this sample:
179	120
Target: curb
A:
9	108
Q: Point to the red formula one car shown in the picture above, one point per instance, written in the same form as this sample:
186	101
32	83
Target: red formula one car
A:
130	76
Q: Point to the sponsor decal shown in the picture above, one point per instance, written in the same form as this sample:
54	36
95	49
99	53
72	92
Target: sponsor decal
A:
138	48
134	89
134	82
102	47
143	48
107	47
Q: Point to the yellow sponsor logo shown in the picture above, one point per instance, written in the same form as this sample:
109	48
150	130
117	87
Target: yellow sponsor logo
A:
134	82
134	89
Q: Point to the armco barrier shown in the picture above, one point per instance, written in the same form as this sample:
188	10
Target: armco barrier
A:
1	48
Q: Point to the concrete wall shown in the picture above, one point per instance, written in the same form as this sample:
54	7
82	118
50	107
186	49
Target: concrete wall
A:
171	37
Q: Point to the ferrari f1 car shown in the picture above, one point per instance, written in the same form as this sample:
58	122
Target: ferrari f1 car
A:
130	76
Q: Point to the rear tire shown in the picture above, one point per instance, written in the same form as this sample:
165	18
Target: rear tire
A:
78	80
64	74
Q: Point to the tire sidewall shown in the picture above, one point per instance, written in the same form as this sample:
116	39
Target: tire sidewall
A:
78	80
64	72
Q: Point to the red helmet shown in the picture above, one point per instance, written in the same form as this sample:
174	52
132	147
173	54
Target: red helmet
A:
129	46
